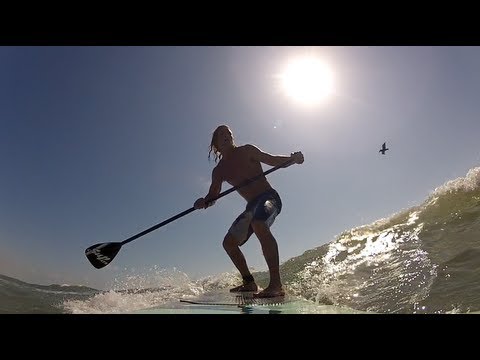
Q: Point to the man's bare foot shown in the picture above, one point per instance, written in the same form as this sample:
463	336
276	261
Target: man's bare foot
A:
269	293
246	287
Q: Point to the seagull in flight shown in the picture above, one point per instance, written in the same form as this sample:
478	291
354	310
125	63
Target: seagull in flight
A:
383	149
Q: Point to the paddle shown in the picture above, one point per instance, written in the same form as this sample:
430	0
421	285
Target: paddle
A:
102	254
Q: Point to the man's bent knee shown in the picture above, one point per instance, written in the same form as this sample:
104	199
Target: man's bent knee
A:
229	242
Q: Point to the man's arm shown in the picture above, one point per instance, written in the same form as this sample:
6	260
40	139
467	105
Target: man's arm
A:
275	160
214	191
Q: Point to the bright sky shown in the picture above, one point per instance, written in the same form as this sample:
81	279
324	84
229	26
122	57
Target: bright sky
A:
100	143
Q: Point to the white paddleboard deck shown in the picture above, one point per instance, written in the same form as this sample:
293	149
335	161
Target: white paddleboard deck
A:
224	302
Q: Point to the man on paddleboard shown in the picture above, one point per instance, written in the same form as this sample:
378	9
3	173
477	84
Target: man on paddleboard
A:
236	165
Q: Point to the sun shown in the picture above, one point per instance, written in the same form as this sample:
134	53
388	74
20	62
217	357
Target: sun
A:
307	80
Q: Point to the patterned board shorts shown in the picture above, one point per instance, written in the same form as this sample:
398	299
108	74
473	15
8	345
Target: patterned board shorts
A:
264	207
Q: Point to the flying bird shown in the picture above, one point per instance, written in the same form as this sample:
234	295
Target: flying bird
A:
383	149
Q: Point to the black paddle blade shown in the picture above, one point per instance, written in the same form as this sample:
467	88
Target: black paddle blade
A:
101	255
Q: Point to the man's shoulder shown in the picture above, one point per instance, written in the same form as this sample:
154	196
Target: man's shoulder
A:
248	147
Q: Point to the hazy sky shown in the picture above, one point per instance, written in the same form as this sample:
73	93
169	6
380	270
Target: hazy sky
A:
100	143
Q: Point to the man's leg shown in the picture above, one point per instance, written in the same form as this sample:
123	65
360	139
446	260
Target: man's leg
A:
270	252
230	244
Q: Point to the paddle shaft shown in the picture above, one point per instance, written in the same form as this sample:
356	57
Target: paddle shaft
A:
226	192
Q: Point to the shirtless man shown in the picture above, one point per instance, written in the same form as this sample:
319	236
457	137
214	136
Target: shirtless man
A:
239	164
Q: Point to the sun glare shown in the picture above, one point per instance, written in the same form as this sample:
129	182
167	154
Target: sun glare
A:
307	80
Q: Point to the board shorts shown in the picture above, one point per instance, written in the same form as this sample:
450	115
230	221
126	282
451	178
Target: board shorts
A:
264	207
